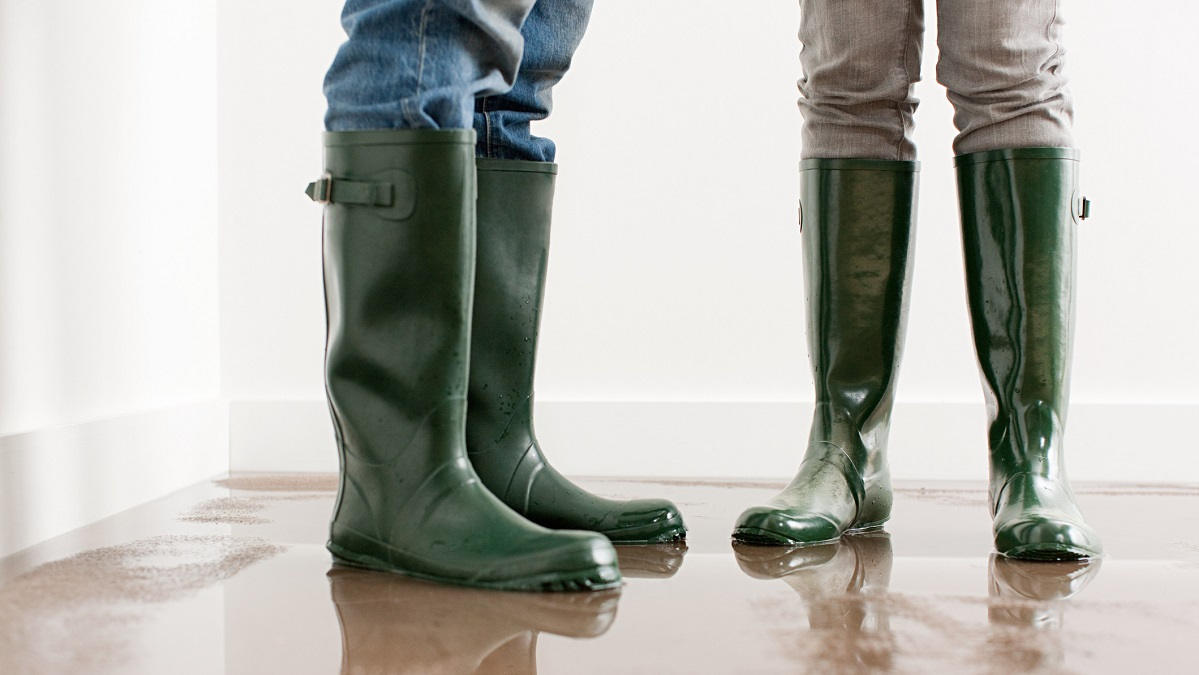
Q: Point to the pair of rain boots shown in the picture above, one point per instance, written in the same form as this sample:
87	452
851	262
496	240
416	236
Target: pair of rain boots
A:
1019	215
434	269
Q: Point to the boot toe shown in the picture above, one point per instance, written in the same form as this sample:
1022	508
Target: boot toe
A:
576	561
1043	537
769	526
646	521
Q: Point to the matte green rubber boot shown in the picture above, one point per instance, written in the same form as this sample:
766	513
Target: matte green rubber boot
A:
858	218
514	205
399	241
1019	223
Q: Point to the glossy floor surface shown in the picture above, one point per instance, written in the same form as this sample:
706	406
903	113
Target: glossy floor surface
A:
232	577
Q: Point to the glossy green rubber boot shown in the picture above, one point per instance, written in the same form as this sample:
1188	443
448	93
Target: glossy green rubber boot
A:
514	205
1019	220
858	218
399	243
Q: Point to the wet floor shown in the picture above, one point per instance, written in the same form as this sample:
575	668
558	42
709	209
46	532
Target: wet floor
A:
232	577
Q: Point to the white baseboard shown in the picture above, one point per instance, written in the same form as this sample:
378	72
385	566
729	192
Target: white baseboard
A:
929	441
53	481
281	436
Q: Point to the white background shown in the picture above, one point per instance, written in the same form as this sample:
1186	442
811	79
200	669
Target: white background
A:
675	269
109	301
155	247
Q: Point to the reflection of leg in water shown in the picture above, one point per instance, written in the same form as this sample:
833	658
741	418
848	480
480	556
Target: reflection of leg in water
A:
844	587
655	561
1026	610
393	624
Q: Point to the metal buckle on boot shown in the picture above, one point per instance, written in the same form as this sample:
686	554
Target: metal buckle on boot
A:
321	191
1080	207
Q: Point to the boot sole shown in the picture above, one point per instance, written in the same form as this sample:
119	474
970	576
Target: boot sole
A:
589	579
760	537
673	530
1041	552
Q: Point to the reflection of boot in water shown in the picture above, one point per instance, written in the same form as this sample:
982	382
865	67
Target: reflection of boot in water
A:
394	624
844	587
655	561
1026	609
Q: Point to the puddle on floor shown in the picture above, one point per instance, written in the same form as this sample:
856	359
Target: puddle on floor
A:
76	615
235	579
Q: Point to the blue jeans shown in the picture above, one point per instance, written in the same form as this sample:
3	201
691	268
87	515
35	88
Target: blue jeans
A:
455	64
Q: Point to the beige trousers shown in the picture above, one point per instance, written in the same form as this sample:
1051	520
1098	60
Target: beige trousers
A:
1001	61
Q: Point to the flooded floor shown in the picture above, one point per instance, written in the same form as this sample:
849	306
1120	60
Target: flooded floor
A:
232	577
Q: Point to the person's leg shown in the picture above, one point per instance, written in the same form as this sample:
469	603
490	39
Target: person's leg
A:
858	195
551	35
1018	191
861	62
399	262
516	190
1003	65
420	64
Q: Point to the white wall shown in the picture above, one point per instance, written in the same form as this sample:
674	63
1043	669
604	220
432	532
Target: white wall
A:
108	250
675	272
675	267
273	54
136	135
109	302
676	259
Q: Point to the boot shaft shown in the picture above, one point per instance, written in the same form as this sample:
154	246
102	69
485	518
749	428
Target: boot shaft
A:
514	212
399	265
858	225
857	219
1019	227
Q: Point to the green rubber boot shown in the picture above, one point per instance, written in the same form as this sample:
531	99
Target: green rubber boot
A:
858	218
1019	225
514	205
399	240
